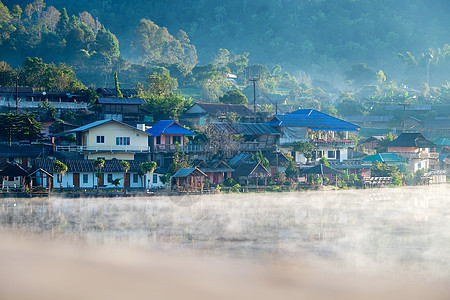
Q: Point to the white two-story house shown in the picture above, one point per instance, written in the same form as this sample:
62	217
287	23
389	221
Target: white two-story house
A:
108	139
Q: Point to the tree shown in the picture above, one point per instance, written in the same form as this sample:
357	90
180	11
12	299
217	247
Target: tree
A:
348	105
125	166
382	145
324	161
166	107
259	157
161	85
305	148
115	182
234	97
98	166
145	168
291	169
180	160
116	82
59	168
360	74
106	43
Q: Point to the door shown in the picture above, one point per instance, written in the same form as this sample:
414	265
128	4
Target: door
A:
126	182
76	180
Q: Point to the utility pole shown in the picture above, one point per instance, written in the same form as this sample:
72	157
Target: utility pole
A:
254	95
17	93
404	113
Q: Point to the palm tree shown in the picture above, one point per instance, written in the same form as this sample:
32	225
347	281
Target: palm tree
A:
59	168
125	167
98	165
146	167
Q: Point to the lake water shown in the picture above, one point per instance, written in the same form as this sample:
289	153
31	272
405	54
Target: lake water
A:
374	230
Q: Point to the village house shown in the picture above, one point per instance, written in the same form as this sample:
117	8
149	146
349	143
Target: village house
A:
163	137
189	180
108	139
328	134
81	173
217	171
251	173
207	113
415	148
121	109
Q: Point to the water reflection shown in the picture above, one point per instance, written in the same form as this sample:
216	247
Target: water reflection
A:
364	229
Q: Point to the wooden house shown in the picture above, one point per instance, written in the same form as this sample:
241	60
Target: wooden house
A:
189	180
251	172
121	109
207	113
217	171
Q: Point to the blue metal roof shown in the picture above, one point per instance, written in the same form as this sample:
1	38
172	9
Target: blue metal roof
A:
168	127
313	119
186	171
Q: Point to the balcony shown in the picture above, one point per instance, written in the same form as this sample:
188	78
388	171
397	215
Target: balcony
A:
334	143
171	148
84	149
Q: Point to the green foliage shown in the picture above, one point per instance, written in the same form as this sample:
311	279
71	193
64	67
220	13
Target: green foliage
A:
59	168
349	106
279	178
115	182
116	83
180	160
167	107
324	161
234	97
161	85
305	148
19	127
259	157
98	164
229	182
124	165
146	167
382	145
291	169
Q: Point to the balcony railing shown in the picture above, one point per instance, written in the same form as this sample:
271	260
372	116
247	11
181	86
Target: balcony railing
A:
83	149
184	148
334	143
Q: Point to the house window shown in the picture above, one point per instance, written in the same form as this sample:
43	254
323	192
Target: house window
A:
85	178
158	140
176	139
100	139
155	178
122	140
338	154
10	178
331	154
135	178
167	139
110	177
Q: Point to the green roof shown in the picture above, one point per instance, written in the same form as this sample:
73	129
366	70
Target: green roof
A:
385	158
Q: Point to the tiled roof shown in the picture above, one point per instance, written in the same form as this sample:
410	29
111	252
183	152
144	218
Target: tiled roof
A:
312	119
415	140
86	165
32	151
247	128
168	127
221	109
121	101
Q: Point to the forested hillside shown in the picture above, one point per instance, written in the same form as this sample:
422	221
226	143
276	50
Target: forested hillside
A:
312	35
326	39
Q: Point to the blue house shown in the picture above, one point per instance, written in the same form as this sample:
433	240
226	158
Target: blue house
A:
327	133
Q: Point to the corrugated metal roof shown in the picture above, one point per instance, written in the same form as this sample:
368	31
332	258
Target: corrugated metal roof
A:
221	109
247	128
385	158
312	119
251	169
168	127
187	171
416	140
122	101
98	123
